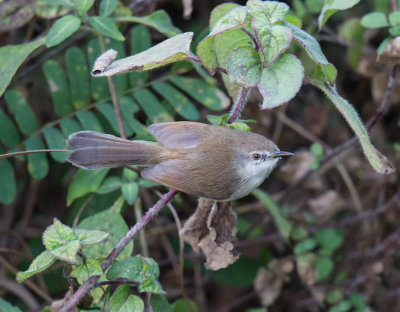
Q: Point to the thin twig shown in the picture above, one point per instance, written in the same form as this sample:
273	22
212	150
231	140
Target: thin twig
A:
239	105
220	69
32	152
89	284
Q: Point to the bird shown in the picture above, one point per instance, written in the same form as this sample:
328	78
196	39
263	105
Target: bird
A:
204	160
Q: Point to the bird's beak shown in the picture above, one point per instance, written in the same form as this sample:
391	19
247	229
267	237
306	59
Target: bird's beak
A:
282	154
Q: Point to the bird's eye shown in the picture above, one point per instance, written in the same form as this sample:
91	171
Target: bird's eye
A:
256	156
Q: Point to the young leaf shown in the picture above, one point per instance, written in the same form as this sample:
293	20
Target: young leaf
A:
111	222
84	271
89	121
374	20
183	106
159	20
107	7
137	269
39	264
9	135
219	11
329	238
62	29
12	56
38	165
78	75
154	110
85	182
273	11
106	26
140	41
378	161
394	18
8	189
121	300
130	191
210	96
331	7
90	237
83	5
55	140
57	234
109	185
281	81
22	112
244	66
58	86
169	51
67	251
69	126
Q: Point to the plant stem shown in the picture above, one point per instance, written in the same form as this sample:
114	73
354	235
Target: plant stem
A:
239	105
33	152
90	283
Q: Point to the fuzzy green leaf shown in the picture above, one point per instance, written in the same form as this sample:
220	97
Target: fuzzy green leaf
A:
219	11
57	235
84	271
90	237
68	251
331	7
63	28
39	264
159	303
244	67
122	301
272	11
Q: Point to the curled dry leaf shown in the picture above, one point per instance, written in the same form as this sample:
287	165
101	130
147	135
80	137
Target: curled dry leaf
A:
103	61
391	53
296	166
268	283
212	228
326	205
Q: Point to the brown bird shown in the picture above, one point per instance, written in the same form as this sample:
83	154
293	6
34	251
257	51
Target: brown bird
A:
198	159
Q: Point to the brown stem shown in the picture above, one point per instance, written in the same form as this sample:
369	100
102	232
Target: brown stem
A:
239	105
220	69
32	152
90	283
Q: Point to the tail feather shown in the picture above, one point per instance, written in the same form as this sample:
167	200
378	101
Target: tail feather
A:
93	150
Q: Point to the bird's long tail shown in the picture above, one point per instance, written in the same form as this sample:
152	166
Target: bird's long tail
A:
94	150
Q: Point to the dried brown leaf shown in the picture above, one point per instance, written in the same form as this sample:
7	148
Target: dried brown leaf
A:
326	205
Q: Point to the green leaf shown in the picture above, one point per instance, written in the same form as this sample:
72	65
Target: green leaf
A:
83	5
374	20
67	252
129	175
109	185
272	11
110	222
151	286
57	235
89	121
182	105
22	112
9	135
89	268
154	110
106	26
342	306
107	7
69	126
184	305
55	140
244	66
78	75
332	6
12	56
59	88
394	18
383	45
281	81
108	111
38	165
89	237
120	81
140	41
313	49
138	269
63	28
210	96
159	20
294	20
122	301
324	267
85	182
130	191
98	86
14	15
169	51
305	245
220	11
39	264
159	303
352	31
330	238
8	189
283	225
377	160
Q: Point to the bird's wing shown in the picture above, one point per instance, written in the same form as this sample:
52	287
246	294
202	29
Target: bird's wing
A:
178	135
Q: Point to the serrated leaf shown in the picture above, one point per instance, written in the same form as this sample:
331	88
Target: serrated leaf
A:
89	237
57	235
67	252
8	189
98	86
274	39
39	264
106	26
109	185
182	105
137	269
374	20
22	112
9	135
12	56
154	110
69	126
85	182
122	301
151	286
332	6
219	11
312	47
244	67
108	111
38	165
281	81
210	96
159	20
89	121
107	7
130	191
63	28
140	41
377	160
169	51
110	222
59	88
78	75
55	140
89	268
273	11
